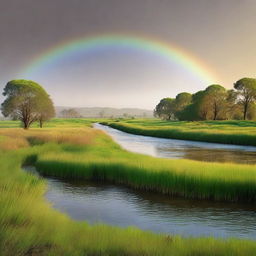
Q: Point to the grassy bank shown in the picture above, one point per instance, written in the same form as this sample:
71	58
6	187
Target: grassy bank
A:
226	132
29	226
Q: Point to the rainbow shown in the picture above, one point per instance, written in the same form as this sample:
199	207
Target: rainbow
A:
166	50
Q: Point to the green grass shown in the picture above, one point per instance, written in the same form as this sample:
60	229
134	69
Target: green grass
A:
226	132
30	226
56	122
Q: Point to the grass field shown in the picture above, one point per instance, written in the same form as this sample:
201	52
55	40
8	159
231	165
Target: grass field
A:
69	148
228	132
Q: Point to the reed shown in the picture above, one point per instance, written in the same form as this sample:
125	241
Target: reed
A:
225	132
186	178
30	226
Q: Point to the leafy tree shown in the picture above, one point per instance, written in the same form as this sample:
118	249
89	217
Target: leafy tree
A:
165	109
206	105
246	88
233	108
203	105
182	100
214	101
197	111
26	101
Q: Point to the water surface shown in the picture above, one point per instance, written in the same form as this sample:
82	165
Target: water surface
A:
170	148
119	206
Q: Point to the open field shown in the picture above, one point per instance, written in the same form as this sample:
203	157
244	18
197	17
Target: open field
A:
227	132
29	226
54	123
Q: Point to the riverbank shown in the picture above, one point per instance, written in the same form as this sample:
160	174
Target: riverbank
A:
225	132
29	225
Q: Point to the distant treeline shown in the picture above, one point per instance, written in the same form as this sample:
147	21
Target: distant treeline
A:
213	103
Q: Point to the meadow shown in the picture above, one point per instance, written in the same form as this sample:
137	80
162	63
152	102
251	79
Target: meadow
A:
71	149
226	132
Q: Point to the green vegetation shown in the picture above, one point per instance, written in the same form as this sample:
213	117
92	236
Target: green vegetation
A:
213	103
226	132
29	226
247	91
53	123
28	102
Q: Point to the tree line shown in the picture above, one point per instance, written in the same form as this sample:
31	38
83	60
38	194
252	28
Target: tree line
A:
213	103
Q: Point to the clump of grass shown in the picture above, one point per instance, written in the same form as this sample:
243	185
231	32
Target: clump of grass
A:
186	178
12	143
29	226
18	138
225	132
74	136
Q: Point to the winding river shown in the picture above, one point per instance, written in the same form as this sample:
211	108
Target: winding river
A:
170	148
120	206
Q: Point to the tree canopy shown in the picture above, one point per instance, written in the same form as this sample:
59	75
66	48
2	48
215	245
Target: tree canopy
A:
27	101
213	103
246	88
165	108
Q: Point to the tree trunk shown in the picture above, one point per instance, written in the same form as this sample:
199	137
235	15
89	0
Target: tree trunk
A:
41	123
215	111
215	115
245	110
26	124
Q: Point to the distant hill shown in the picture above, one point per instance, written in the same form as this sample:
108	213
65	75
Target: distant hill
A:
96	112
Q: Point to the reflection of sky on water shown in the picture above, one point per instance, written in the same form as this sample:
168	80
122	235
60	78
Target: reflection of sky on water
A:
120	206
170	148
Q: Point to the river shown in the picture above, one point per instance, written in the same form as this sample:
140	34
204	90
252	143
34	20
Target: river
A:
121	206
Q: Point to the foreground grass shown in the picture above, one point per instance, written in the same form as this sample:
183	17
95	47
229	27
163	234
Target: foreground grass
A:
226	132
29	226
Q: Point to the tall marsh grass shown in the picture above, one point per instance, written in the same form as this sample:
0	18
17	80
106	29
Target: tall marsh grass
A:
185	178
225	132
30	226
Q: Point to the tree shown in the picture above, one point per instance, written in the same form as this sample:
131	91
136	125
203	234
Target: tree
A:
214	101
165	109
246	88
182	100
46	110
208	104
233	108
26	101
70	113
195	111
251	114
102	114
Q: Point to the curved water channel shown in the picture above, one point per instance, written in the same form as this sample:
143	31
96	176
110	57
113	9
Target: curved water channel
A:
170	148
120	206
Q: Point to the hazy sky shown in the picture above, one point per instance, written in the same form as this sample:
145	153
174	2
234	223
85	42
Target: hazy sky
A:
220	33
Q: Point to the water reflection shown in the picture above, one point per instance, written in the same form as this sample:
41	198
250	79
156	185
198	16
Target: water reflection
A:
170	148
125	207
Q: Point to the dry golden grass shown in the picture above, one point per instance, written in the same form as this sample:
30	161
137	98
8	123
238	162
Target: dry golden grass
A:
16	138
